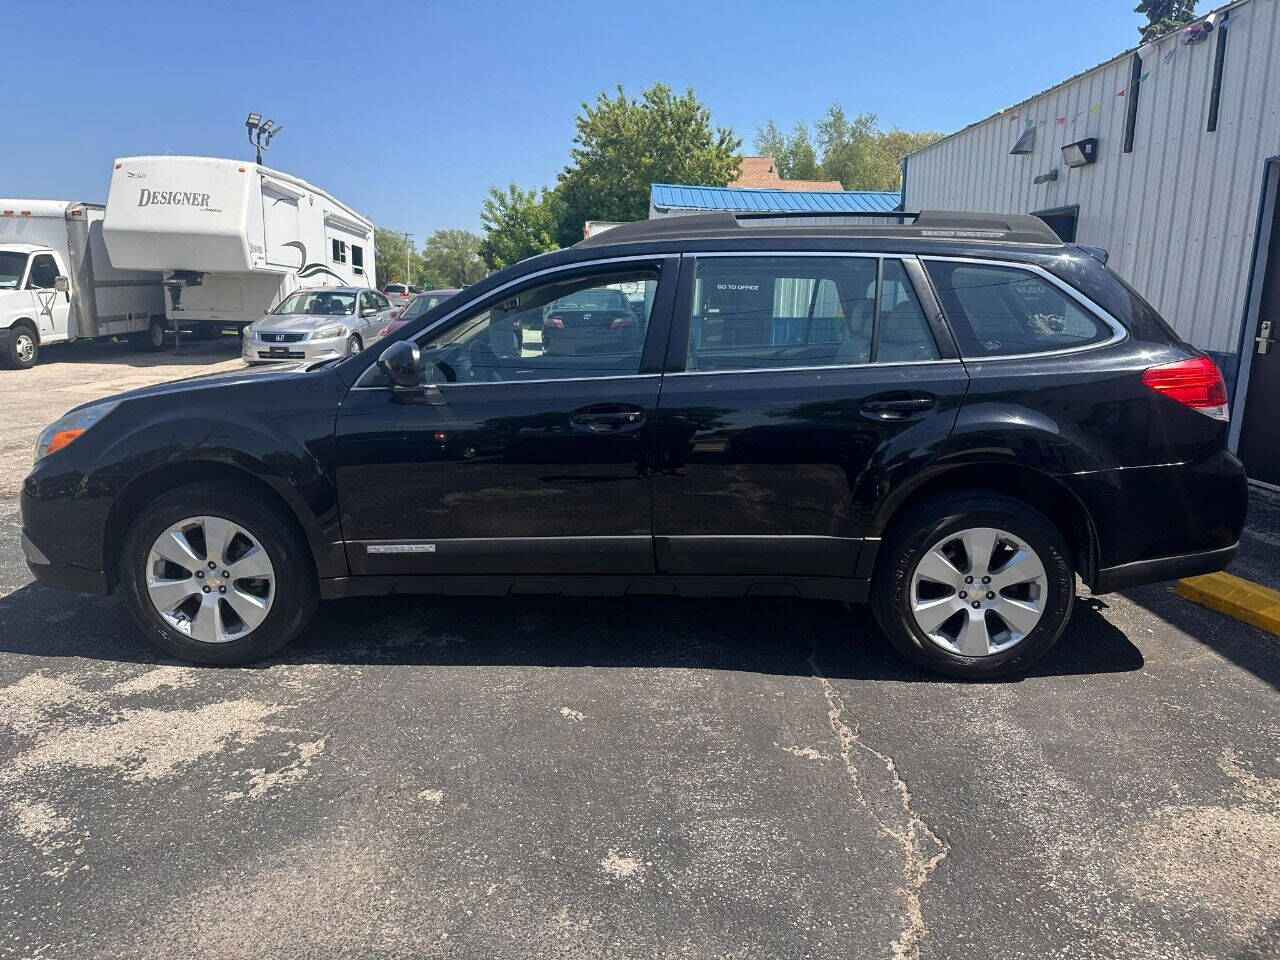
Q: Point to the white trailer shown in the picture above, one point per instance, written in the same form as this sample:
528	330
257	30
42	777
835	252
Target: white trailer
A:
57	282
231	238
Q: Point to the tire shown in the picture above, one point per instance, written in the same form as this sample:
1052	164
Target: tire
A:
953	525
290	600
354	345
150	340
24	348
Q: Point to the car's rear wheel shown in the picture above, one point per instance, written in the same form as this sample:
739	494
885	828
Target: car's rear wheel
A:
974	585
215	575
149	340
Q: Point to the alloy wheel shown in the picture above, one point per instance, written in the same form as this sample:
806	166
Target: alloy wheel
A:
978	592
210	579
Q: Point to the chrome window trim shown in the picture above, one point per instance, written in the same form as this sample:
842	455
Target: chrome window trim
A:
563	268
837	366
1118	331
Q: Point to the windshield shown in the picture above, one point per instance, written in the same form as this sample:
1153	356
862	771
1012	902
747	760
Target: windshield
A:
318	303
11	266
421	304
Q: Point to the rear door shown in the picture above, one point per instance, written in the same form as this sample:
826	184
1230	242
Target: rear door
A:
511	460
798	389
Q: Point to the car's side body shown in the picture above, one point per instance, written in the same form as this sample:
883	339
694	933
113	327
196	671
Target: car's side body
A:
724	482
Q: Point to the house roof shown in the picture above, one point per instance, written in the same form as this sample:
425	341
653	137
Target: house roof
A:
670	196
762	173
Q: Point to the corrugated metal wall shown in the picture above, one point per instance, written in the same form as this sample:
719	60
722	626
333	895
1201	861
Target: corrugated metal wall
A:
1179	213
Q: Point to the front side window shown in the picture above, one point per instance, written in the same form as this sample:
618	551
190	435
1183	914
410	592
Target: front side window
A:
567	328
11	266
753	313
1002	311
367	301
318	303
43	272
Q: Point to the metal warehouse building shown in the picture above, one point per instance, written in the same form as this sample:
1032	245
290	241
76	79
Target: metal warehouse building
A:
1168	157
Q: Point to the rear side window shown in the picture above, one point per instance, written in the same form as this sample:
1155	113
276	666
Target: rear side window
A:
1002	311
752	313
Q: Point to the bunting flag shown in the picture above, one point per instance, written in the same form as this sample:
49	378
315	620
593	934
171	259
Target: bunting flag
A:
1144	76
1030	123
1170	55
1095	108
1060	121
1120	93
1013	117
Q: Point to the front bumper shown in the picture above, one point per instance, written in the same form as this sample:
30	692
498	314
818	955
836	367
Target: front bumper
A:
254	351
63	576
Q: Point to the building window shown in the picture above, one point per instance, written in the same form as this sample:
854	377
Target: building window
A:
357	260
339	251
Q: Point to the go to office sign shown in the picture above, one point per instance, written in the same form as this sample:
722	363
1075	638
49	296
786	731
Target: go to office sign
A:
171	198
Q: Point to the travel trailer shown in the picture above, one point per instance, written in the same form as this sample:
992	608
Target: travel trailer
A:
232	238
57	283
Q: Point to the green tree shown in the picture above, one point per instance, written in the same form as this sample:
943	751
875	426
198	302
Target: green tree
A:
517	224
452	259
794	156
1164	15
389	251
854	151
623	146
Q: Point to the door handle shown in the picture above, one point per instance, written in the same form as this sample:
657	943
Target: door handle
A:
607	418
1264	340
897	407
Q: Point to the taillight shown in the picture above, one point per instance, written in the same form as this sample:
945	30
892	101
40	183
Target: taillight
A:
622	322
1195	383
555	323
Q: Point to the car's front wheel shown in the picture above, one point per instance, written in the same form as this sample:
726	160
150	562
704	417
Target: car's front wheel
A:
974	585
215	575
354	345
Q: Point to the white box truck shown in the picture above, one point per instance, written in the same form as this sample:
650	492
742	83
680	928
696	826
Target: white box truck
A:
232	238
57	283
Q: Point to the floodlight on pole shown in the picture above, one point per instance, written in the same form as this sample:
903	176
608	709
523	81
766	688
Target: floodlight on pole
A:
260	133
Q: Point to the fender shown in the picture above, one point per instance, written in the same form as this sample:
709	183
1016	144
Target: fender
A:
255	447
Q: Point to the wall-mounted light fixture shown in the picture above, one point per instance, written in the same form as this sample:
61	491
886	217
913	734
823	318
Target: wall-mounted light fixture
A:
1046	177
1026	143
1081	153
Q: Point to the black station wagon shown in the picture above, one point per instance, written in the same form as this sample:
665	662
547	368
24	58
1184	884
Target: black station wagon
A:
952	418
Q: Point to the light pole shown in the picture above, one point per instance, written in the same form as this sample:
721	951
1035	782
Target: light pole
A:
260	133
408	248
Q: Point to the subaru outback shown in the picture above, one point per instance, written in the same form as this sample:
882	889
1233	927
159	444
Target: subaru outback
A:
952	419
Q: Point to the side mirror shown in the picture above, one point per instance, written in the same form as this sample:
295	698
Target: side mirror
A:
399	364
61	284
368	312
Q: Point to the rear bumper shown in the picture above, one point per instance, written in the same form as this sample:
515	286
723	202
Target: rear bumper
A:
64	576
1110	579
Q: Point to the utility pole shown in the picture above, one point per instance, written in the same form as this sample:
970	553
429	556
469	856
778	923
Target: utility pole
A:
408	249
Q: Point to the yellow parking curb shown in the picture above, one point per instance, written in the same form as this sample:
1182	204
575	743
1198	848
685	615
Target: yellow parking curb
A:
1245	600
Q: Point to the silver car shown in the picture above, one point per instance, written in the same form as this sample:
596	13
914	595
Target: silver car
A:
317	324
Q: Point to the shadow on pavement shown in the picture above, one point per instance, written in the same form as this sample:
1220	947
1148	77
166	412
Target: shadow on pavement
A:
759	635
1245	646
192	353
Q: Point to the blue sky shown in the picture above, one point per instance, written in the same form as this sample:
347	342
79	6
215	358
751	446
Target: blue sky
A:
408	111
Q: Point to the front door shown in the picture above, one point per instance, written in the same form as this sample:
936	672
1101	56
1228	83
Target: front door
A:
52	309
1259	435
527	450
797	387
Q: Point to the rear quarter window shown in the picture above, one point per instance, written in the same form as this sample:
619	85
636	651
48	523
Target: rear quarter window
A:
1005	311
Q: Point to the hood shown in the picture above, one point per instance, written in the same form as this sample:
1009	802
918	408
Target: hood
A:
299	322
205	381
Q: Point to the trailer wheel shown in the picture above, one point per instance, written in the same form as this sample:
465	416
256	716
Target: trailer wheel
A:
150	340
23	348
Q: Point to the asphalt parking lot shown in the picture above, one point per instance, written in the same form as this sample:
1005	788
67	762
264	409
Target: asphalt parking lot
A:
621	778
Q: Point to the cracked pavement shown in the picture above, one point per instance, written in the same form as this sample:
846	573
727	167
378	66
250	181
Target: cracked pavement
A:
543	777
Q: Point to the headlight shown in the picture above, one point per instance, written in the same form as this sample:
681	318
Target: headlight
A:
66	429
328	333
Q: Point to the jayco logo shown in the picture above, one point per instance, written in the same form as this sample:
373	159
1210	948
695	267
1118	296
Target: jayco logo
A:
172	198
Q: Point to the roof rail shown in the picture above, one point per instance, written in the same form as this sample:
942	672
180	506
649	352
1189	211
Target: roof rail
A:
926	224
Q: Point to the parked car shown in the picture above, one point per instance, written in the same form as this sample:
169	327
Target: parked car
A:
399	294
951	419
317	324
419	305
590	321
